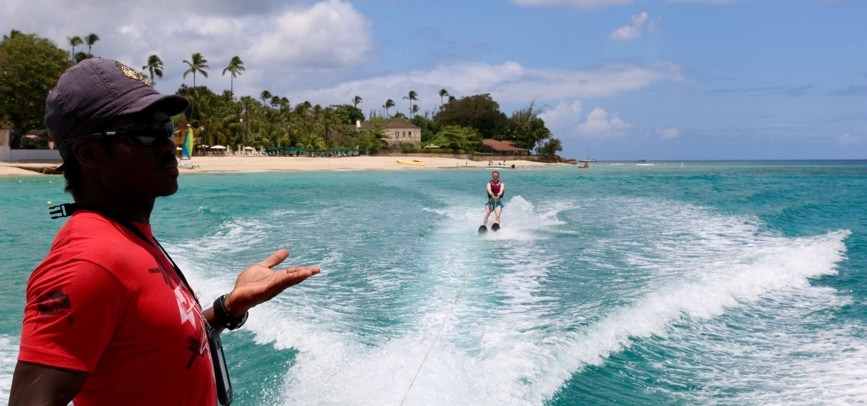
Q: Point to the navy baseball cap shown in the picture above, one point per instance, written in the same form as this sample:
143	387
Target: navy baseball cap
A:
94	91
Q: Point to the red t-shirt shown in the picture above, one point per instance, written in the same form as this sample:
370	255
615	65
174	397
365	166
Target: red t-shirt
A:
106	302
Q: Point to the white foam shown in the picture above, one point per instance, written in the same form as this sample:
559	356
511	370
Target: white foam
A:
335	366
786	354
778	266
508	340
8	359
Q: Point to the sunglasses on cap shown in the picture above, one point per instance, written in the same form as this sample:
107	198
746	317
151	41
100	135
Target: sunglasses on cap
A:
143	134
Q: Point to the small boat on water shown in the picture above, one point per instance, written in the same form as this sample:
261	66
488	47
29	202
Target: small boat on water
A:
585	163
415	162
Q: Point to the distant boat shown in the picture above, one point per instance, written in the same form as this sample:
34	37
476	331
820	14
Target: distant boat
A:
587	158
584	164
415	162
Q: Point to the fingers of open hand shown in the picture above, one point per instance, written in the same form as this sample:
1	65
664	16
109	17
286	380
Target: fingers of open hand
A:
276	258
297	274
290	277
265	283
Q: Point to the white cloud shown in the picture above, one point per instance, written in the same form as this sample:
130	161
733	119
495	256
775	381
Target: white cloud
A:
563	119
848	139
630	31
585	4
282	43
300	38
600	81
668	133
510	84
317	52
599	122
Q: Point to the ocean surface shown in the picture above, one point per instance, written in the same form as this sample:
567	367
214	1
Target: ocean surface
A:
702	283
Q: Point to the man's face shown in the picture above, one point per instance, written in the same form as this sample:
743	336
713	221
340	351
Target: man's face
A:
495	177
142	171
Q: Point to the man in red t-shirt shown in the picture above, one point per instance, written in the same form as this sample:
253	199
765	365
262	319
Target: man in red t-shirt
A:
110	319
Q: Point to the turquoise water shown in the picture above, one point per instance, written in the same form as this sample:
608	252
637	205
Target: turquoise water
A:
739	283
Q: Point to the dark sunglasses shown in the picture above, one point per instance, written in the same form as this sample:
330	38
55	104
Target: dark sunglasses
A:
143	134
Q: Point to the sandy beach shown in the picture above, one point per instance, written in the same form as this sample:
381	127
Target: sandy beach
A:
218	164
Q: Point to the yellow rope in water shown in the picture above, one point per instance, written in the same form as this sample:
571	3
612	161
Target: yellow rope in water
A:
451	308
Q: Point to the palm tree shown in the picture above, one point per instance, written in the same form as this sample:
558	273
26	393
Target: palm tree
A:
443	93
265	96
90	39
412	96
235	67
283	103
302	109
356	101
388	104
329	122
198	64
154	67
74	41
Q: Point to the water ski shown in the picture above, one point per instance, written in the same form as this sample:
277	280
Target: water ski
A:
483	229
495	227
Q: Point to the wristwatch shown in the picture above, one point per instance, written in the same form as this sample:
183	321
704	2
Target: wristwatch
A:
224	318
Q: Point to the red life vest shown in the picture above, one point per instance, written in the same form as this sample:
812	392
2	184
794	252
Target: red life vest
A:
495	188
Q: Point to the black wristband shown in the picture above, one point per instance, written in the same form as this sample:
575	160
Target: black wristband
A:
224	318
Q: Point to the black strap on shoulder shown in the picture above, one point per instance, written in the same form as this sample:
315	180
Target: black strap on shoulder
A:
67	209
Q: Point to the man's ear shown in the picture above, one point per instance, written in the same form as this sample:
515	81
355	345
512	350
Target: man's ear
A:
90	153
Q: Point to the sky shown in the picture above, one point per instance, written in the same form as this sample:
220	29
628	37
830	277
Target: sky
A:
615	80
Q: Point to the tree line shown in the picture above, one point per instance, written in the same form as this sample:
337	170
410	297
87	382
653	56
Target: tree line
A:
30	66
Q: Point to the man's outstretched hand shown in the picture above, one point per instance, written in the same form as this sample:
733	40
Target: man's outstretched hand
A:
259	282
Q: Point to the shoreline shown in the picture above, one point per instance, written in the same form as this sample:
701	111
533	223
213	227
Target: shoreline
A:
241	164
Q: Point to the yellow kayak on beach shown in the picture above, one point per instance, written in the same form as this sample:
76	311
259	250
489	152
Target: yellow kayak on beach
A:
415	162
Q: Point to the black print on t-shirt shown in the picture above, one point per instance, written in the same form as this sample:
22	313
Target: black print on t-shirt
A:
166	277
54	303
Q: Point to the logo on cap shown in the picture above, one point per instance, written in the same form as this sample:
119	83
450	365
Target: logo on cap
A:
132	74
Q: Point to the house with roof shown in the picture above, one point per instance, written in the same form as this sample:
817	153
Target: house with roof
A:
502	147
396	130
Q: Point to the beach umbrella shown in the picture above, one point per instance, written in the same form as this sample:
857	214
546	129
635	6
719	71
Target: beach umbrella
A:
218	147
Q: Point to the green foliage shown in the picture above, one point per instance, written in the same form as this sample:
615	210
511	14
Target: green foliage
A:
479	112
428	127
74	42
80	56
458	138
235	67
443	93
29	68
526	129
412	96
552	147
197	64
348	114
154	67
406	148
90	39
388	104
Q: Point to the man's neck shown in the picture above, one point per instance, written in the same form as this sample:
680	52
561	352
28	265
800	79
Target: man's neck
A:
130	209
